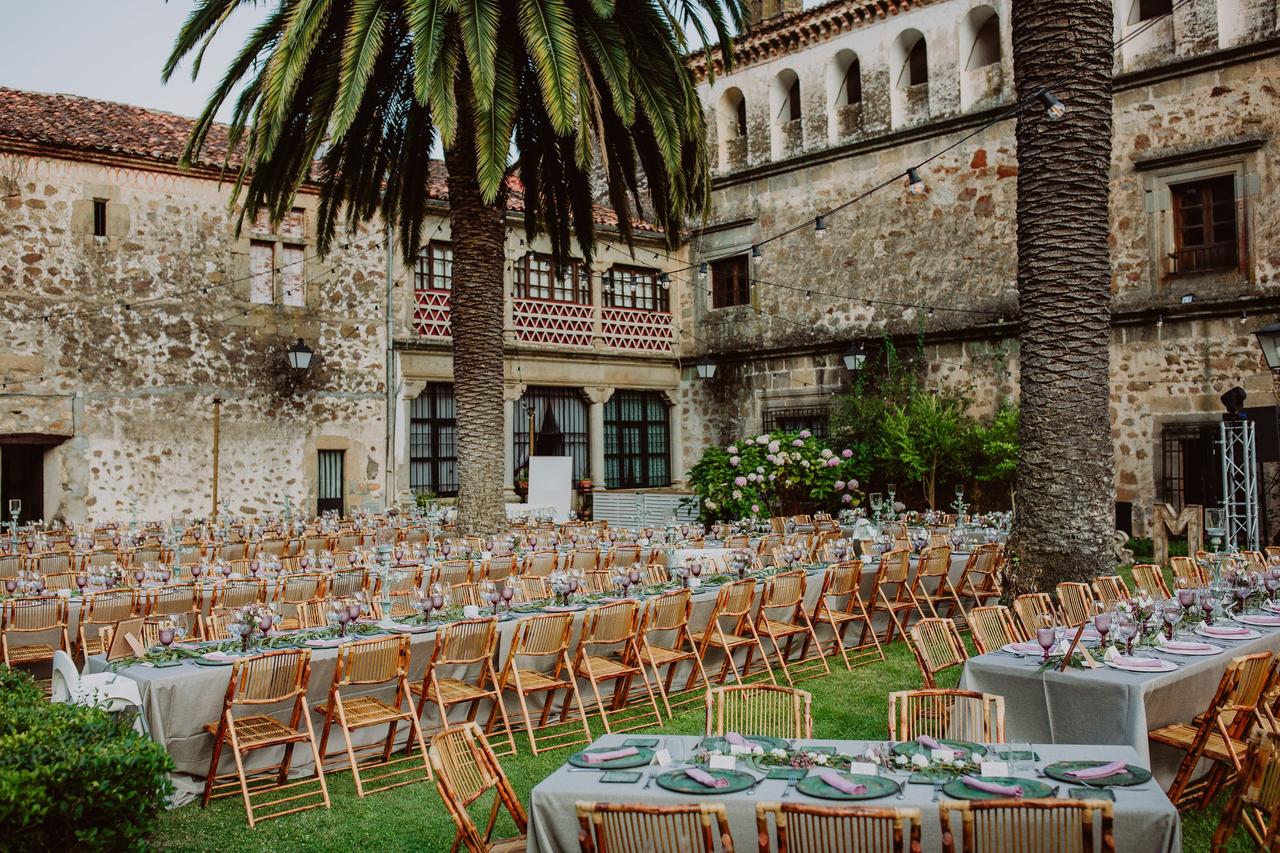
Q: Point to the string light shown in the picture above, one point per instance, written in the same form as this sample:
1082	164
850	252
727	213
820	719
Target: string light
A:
819	227
915	184
756	254
702	269
1054	107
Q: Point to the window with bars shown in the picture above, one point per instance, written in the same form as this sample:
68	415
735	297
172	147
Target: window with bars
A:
1204	225
1191	458
330	481
537	278
636	287
731	281
560	428
637	451
434	267
277	260
812	418
433	433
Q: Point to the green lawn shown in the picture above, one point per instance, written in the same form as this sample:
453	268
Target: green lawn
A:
850	705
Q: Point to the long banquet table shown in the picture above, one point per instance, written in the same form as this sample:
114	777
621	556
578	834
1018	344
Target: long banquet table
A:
1145	820
1107	705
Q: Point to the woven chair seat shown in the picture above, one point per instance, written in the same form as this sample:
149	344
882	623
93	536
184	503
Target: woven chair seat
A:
835	617
508	845
30	654
663	655
604	667
456	690
712	638
366	711
1182	735
781	629
895	605
532	680
260	730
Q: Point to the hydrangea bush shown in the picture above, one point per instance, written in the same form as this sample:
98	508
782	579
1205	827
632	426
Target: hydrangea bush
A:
780	473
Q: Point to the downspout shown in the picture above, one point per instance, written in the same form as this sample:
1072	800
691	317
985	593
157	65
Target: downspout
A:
389	461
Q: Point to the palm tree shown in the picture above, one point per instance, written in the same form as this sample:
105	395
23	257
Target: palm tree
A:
1064	519
354	94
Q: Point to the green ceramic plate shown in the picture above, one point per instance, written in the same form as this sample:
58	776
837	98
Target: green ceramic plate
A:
647	742
640	759
678	781
1006	754
1131	775
967	747
207	662
877	787
768	743
1031	789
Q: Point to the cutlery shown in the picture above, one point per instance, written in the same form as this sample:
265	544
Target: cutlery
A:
902	790
791	783
937	790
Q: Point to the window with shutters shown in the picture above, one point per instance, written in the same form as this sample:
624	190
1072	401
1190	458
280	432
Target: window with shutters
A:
277	259
731	281
1205	235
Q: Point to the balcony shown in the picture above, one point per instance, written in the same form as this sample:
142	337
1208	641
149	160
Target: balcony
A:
431	313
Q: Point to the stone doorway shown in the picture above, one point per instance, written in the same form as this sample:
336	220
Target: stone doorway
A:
22	475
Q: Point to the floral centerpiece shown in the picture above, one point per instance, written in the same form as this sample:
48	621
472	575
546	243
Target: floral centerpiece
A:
250	622
740	561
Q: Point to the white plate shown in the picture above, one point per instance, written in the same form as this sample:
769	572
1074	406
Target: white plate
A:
1165	666
1252	635
400	628
328	642
1212	650
1257	621
1023	649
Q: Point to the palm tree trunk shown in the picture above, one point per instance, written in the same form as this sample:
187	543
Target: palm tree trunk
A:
479	236
1064	517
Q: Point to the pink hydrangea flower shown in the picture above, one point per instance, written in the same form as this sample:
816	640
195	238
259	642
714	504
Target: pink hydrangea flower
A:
732	450
831	463
846	453
839	485
734	460
739	481
755	508
774	446
826	453
846	498
804	433
797	443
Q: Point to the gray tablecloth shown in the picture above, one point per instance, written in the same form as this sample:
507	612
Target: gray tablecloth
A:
1106	705
1145	820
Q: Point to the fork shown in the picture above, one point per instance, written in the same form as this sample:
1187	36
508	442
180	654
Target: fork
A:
791	783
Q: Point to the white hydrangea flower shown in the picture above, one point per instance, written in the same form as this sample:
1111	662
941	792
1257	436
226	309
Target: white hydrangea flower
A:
920	760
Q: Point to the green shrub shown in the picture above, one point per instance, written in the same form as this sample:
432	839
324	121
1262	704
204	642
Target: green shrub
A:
1144	549
74	777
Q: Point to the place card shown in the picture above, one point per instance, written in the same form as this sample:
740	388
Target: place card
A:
943	754
641	742
740	749
623	776
135	646
722	762
662	757
1091	794
994	768
862	768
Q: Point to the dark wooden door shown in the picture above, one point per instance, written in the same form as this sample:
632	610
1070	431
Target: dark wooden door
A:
22	477
329	483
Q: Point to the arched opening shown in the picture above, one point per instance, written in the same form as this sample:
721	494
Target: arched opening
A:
785	109
909	94
731	128
983	76
844	95
916	70
984	24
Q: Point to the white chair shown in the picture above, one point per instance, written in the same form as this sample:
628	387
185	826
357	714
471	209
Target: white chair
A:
105	690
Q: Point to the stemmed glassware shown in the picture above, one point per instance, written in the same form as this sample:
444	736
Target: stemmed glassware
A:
1047	637
1172	615
1102	624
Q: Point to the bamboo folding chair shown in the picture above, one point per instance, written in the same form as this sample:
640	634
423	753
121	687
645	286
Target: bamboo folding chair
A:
584	559
345	583
142	555
607	651
799	828
1017	825
172	600
540	563
1188	570
1110	590
542	639
937	647
261	681
993	627
23	621
843	580
60	580
500	567
273	547
347	543
782	619
1219	733
759	709
100	611
1148	578
10	565
461	647
238	593
1255	801
532	588
624	556
935	566
376	661
684	828
451	572
215	624
953	714
405	579
894	571
465	770
981	581
767	543
100	558
1034	610
737	540
52	562
733	602
669	614
1076	603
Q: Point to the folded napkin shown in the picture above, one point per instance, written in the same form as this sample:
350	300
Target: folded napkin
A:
1100	772
704	778
735	739
1135	662
598	757
1026	648
840	783
1260	619
220	656
1180	646
930	743
1223	631
992	787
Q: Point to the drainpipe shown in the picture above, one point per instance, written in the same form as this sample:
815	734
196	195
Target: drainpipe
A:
389	460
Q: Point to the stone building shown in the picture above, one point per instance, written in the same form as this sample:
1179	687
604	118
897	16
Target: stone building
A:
825	103
131	308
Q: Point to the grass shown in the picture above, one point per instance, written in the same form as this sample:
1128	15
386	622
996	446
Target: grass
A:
846	705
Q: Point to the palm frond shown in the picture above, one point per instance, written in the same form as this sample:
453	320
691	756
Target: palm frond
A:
552	42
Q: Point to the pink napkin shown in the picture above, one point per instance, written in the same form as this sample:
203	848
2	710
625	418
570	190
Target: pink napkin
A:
1259	619
735	739
1135	662
1026	648
221	656
1101	772
704	778
840	783
992	787
597	757
930	743
1180	646
1221	631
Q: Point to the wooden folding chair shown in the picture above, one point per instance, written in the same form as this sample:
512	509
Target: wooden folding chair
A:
1075	602
733	603
1110	590
172	600
1034	610
843	580
361	664
101	610
981	581
238	593
953	714
782	619
935	567
684	828
1219	733
993	627
345	583
540	564
759	709
300	586
1148	578
461	647
500	567
261	681
1188	570
894	571
466	769
452	572
607	651
533	588
668	614
937	647
25	624
584	559
1255	800
990	825
542	639
60	580
799	828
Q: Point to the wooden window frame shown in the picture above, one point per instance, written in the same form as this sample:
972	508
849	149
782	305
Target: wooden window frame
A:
425	277
261	232
573	289
426	447
648	293
738	290
620	463
1210	254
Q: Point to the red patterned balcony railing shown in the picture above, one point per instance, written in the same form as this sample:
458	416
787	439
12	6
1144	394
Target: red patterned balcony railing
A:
628	328
431	313
539	321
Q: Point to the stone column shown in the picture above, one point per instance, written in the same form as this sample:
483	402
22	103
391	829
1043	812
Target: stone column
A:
597	396
675	436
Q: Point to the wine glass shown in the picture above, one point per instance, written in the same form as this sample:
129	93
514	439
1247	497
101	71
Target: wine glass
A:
1172	615
508	593
1207	605
82	580
167	634
1102	624
1047	637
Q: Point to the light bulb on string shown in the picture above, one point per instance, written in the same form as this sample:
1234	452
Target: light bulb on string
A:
756	254
702	269
819	228
1054	107
915	183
